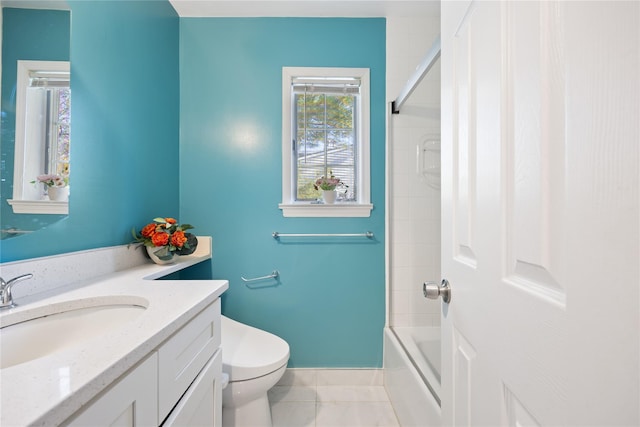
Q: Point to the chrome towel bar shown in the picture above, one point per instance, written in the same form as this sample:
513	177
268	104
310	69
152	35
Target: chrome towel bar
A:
14	231
368	234
274	275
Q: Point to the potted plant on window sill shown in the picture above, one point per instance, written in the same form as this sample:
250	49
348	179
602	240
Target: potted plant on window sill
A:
329	188
57	186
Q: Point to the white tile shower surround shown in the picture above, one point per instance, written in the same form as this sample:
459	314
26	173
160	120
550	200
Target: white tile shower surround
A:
331	398
414	206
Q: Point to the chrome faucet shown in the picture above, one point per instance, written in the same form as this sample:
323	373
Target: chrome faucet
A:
6	299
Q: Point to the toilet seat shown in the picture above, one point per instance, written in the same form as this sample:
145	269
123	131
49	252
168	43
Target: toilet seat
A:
248	352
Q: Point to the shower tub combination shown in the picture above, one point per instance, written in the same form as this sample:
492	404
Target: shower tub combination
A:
412	357
412	374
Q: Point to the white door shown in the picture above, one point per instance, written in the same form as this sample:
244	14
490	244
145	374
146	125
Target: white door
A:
540	217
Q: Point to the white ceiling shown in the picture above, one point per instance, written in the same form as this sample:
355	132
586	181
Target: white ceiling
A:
276	8
305	8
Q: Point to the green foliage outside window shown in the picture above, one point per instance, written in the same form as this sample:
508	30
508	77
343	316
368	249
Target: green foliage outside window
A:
325	141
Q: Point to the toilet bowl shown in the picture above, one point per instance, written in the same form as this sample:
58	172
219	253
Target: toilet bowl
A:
254	360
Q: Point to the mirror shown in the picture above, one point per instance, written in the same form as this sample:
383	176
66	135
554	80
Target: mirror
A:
35	47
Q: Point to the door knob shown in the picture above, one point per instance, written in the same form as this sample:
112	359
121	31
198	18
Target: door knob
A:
433	290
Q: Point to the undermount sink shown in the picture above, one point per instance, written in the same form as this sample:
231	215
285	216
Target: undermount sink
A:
44	331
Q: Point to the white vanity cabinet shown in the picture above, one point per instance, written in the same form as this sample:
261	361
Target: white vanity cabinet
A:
178	384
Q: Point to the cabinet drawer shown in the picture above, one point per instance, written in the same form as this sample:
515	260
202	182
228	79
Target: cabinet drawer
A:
201	405
183	356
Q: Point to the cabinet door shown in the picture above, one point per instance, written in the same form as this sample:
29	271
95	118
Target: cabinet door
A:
132	401
185	354
201	405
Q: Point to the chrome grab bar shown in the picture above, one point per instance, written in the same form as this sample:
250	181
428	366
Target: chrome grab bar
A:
368	234
274	275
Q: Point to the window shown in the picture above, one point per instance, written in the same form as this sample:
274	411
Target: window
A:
325	128
43	98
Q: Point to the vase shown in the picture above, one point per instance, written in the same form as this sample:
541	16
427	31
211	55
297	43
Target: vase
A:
329	196
58	194
161	255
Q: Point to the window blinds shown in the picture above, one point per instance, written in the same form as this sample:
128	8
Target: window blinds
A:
342	85
49	78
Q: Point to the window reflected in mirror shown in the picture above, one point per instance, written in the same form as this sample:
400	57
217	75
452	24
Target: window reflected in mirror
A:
33	31
41	166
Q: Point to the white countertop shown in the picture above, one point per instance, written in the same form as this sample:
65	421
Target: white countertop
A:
48	390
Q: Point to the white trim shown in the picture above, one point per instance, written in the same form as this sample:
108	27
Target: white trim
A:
309	210
362	207
387	214
39	206
26	164
333	377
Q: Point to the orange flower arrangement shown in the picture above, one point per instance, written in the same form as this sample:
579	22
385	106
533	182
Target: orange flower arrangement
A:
168	236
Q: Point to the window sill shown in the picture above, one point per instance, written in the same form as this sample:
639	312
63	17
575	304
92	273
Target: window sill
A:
309	210
39	207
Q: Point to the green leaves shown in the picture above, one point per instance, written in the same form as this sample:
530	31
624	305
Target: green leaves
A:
190	246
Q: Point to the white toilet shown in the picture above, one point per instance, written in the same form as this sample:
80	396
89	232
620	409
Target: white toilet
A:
254	360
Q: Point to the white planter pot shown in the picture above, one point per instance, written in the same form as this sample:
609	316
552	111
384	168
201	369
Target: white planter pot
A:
151	250
58	194
329	196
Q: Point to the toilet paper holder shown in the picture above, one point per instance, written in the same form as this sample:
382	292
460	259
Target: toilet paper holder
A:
274	275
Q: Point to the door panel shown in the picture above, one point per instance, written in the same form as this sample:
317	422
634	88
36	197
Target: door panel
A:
464	357
534	146
465	151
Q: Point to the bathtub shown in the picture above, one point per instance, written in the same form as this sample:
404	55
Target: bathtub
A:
412	374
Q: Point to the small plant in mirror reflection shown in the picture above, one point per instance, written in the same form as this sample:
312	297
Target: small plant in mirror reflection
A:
51	180
168	236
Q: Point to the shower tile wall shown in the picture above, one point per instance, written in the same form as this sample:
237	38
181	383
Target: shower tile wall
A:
414	211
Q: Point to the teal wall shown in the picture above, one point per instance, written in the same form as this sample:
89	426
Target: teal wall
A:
329	303
27	34
124	128
204	145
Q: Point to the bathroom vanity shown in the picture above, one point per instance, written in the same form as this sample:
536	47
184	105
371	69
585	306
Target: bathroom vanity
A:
113	347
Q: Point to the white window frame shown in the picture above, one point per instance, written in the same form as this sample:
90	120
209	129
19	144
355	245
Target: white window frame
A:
28	157
362	206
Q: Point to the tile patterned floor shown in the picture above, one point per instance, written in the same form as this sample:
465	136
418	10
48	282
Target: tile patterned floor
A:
331	398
